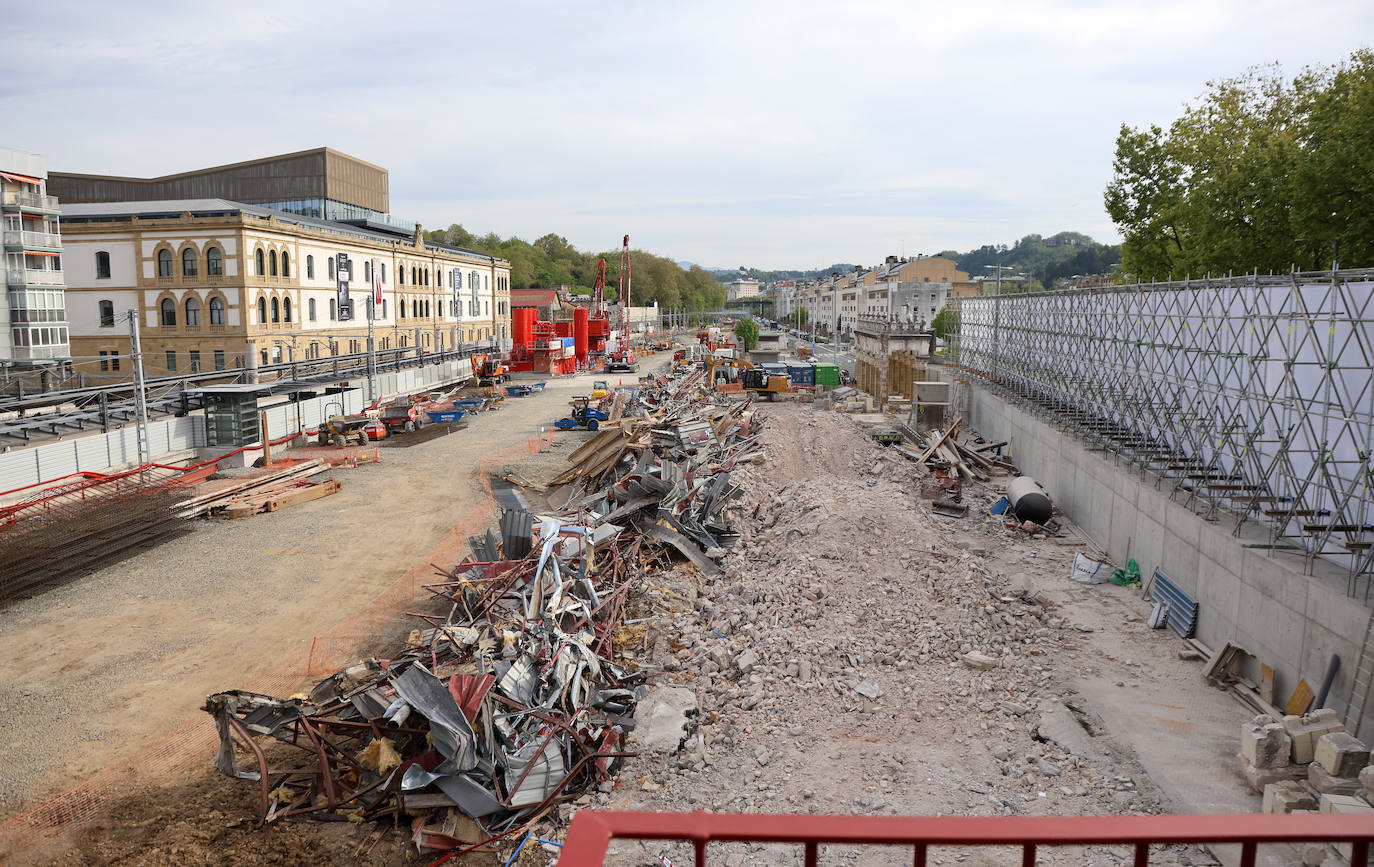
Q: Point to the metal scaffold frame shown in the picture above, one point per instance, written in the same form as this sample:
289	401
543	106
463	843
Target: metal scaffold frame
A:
1250	397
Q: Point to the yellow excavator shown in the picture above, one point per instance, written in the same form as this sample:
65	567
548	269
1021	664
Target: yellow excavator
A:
736	374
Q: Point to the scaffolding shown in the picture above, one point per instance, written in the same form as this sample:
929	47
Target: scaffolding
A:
1249	398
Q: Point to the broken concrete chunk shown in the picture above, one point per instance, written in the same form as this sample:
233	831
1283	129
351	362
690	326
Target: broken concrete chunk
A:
1325	783
1341	754
747	661
1304	730
980	661
1287	796
868	689
661	717
1265	745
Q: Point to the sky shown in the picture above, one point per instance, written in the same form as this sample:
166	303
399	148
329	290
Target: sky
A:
769	135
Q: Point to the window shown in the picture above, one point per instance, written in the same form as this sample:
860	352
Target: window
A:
286	309
219	359
367	270
189	264
401	277
310	309
415	307
171	360
262	311
107	314
195	361
164	263
214	262
262	263
310	267
276	310
331	267
216	311
192	311
333	309
383	272
383	304
169	309
285	264
272	262
102	266
402	314
414	276
426	307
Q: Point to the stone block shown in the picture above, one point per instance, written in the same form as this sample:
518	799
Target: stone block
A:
1367	781
1258	778
1341	754
1324	783
1287	796
1343	804
1304	730
1265	745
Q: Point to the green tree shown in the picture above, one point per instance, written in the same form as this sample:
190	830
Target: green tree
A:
747	332
945	323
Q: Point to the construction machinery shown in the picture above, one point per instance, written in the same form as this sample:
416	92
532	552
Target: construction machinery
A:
763	382
345	430
583	415
600	389
489	370
403	414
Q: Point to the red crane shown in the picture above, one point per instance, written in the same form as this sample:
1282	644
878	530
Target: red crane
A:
624	291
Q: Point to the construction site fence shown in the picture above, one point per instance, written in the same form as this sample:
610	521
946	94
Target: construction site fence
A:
118	448
1011	839
1250	395
193	741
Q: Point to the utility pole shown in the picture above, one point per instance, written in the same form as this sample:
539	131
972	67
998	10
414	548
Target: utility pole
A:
140	395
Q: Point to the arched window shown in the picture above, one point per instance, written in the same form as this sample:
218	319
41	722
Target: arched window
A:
262	263
331	267
164	263
426	308
216	311
214	262
415	307
262	310
106	314
333	313
383	272
367	270
272	262
310	267
276	310
401	277
310	309
414	276
169	308
285	264
189	263
192	311
286	309
102	265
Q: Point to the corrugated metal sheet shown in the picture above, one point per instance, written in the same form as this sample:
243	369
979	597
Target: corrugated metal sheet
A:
17	469
92	453
55	460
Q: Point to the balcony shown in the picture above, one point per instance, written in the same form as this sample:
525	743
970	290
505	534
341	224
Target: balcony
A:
29	277
31	240
29	200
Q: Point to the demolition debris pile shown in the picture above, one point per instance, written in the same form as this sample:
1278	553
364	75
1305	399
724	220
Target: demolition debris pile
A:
521	697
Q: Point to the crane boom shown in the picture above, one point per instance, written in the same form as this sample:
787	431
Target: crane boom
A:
599	288
624	291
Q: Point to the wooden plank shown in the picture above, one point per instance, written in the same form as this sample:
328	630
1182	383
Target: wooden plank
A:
930	451
1266	689
1301	700
303	495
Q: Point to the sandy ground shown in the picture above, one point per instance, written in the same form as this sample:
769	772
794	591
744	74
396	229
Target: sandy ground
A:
95	669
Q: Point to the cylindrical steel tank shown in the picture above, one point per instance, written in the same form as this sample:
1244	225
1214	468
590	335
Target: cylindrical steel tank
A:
522	326
1028	500
580	334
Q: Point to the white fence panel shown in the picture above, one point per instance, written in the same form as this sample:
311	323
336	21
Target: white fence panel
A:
92	453
17	469
55	460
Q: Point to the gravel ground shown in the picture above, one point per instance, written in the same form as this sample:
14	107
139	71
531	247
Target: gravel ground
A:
98	668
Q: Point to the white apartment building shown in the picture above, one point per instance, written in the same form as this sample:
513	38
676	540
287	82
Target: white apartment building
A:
33	319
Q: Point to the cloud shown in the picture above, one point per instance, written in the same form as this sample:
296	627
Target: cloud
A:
770	133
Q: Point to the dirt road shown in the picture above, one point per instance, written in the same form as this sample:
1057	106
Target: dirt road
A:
97	668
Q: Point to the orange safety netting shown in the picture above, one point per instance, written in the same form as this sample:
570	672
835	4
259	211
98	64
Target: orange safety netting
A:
194	745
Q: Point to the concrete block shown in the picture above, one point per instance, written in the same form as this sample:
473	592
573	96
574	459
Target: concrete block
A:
1265	745
1324	783
1341	755
1287	796
1367	781
1304	730
1343	804
1258	778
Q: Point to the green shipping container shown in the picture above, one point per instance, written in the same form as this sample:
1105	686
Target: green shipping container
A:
827	375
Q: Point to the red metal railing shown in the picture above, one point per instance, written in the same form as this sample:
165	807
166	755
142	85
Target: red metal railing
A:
591	832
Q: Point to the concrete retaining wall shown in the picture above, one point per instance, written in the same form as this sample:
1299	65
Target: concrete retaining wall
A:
1259	599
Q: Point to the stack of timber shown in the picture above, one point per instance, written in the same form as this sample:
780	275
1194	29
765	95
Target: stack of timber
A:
943	450
274	490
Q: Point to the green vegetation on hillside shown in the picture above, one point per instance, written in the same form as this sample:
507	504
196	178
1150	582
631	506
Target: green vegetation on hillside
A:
1045	265
1260	173
552	261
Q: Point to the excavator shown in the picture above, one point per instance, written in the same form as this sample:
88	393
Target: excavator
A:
488	370
736	374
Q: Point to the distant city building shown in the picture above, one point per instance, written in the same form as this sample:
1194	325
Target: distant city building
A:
741	288
33	321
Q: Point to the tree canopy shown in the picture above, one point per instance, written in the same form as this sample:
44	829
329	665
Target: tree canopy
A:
552	261
747	330
1262	172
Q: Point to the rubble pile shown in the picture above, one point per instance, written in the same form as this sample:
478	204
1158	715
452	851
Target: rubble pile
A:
520	698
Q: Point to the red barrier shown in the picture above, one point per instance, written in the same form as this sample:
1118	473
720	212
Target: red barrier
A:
591	832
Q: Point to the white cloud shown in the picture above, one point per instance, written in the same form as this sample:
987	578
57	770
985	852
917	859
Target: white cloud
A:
775	134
